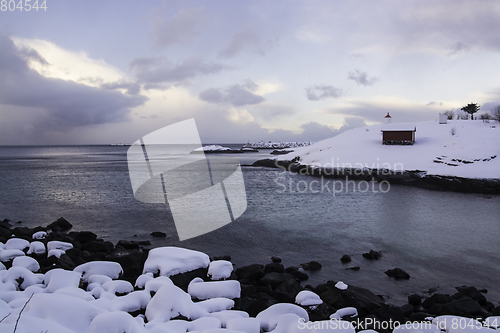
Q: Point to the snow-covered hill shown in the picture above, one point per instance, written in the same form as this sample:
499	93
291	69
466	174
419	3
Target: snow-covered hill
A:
461	148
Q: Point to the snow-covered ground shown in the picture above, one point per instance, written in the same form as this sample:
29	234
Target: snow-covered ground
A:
461	148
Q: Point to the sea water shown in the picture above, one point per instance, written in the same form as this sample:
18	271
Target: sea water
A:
442	239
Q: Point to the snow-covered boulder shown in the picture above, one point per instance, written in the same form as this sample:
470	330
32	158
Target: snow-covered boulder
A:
220	269
140	282
306	298
21	277
204	324
205	290
169	302
75	292
59	278
118	287
226	315
55	253
349	311
39	235
7	255
16	244
115	322
26	262
36	247
247	325
57	245
68	311
168	261
269	317
108	268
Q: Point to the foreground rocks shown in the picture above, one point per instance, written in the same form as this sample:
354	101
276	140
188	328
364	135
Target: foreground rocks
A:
261	286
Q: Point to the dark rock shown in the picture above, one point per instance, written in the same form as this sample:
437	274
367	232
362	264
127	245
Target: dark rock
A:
144	242
66	262
265	289
389	313
182	280
131	260
5	224
407	309
77	256
286	292
248	290
346	259
414	300
319	312
294	271
243	303
465	307
225	257
312	266
263	302
128	245
24	232
96	246
354	268
250	272
274	267
60	225
158	234
496	311
398	274
471	292
273	279
372	255
83	236
432	290
436	298
276	259
362	299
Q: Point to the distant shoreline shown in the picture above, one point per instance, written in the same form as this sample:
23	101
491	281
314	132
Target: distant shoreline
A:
416	178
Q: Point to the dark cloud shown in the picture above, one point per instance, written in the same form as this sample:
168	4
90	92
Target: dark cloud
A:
133	88
361	78
63	103
160	70
236	95
319	92
246	40
180	29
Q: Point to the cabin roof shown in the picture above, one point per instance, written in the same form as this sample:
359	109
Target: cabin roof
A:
399	127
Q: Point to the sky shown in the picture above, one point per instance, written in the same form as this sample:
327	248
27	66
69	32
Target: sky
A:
99	72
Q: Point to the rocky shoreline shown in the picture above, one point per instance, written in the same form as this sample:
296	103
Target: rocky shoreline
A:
260	286
416	178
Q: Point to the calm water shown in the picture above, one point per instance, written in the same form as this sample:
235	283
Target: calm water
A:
441	239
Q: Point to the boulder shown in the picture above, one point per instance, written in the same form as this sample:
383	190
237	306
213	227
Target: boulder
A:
287	291
60	225
414	300
346	259
83	236
131	261
372	255
465	307
398	274
312	266
250	272
274	267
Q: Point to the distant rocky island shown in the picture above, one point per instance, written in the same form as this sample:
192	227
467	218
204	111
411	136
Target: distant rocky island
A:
276	145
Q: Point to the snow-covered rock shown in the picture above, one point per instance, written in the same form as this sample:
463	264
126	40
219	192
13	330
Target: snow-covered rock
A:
269	317
21	276
226	315
341	285
205	290
57	245
16	244
26	262
59	278
36	247
108	268
39	235
306	297
118	287
349	311
140	282
220	269
115	322
7	255
55	253
171	260
247	325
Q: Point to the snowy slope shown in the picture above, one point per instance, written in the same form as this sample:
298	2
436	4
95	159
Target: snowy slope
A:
435	151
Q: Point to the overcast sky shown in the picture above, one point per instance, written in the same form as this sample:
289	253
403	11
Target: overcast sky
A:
91	72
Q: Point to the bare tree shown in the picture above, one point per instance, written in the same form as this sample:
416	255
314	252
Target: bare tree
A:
449	114
495	113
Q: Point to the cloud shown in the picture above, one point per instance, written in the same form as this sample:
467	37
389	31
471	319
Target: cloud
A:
236	95
157	70
459	47
62	103
180	29
433	103
361	78
319	92
247	40
133	88
240	116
